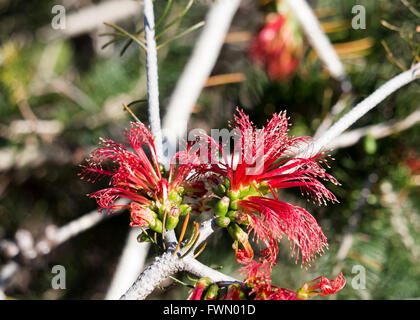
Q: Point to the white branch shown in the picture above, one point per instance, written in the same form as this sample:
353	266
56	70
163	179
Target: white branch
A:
197	70
53	238
361	109
166	265
201	270
319	41
152	76
129	266
376	131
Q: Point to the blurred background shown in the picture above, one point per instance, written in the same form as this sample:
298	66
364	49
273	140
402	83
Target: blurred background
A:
60	90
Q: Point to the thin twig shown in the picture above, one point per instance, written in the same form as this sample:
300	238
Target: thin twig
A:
376	131
361	109
320	41
152	76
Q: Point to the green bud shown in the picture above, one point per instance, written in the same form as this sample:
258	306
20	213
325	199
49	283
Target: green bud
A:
172	218
222	221
243	192
184	209
157	226
237	233
181	191
174	197
238	216
234	205
226	183
231	215
222	207
233	195
212	292
220	190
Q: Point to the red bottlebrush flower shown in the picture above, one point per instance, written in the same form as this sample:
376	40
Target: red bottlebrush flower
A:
267	162
259	281
278	47
135	174
321	286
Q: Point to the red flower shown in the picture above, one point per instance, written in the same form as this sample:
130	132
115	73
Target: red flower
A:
321	286
135	174
259	281
267	162
278	47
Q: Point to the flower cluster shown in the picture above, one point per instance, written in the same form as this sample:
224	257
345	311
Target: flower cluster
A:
249	197
135	174
241	189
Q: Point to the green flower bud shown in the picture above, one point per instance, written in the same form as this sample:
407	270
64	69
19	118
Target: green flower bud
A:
220	190
222	221
234	205
172	218
157	226
238	216
237	233
184	209
226	183
233	195
222	207
243	192
174	197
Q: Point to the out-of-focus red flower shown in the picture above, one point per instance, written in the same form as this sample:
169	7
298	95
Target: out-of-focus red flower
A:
412	160
278	47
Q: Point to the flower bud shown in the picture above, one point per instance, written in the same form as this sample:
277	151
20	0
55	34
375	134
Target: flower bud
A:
238	216
220	190
227	183
222	221
234	205
222	207
184	209
244	192
242	255
172	218
174	197
233	195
